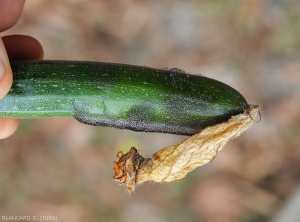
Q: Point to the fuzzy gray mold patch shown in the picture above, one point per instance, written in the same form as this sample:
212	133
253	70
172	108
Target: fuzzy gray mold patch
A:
140	120
138	126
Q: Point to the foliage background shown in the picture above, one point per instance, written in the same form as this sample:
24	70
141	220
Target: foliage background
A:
61	168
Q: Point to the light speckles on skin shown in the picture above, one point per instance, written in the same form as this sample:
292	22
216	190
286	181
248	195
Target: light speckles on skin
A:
152	100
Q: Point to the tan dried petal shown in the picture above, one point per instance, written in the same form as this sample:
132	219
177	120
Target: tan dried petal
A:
172	163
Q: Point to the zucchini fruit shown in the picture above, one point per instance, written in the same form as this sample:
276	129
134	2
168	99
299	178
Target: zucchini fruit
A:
118	95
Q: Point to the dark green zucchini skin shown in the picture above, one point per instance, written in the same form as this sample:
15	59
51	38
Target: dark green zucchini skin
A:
118	95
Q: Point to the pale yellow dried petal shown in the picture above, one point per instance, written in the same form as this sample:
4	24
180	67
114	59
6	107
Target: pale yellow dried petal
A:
173	163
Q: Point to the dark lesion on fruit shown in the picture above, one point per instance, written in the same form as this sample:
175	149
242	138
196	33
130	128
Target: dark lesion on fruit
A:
127	167
141	113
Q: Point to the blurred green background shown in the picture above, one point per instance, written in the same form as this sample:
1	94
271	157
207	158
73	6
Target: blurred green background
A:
62	168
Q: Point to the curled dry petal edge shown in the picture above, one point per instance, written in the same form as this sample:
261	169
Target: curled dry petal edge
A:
174	162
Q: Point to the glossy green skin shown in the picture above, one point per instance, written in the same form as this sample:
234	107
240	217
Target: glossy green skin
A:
118	95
